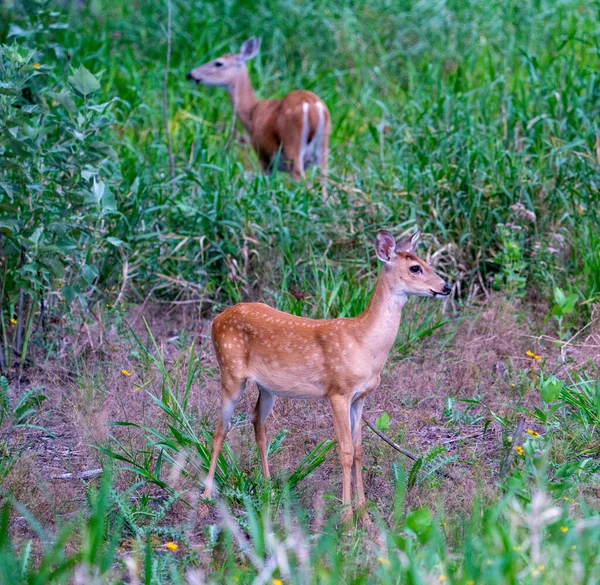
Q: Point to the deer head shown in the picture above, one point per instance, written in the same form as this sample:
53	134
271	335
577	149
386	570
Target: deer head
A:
224	70
405	273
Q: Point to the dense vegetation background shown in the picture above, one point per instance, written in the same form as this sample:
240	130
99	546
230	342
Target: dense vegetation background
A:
475	121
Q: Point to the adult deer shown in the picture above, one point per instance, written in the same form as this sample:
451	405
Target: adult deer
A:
293	131
337	359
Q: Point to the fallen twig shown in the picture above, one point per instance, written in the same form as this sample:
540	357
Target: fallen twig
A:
455	439
401	449
81	475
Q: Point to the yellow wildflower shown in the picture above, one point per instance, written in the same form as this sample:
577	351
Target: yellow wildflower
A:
13	321
277	582
519	450
535	573
171	546
470	582
564	529
541	567
443	578
383	560
36	65
573	547
516	548
126	373
533	355
533	433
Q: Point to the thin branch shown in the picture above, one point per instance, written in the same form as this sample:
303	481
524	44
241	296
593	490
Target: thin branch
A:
515	441
20	319
401	449
166	99
125	277
389	441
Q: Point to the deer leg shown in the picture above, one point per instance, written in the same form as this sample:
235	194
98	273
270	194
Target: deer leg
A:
294	161
231	392
263	408
356	426
324	163
341	424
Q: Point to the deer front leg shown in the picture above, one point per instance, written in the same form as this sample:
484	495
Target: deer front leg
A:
340	406
356	426
263	408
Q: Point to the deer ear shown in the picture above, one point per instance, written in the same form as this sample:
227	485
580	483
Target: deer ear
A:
250	48
385	246
408	244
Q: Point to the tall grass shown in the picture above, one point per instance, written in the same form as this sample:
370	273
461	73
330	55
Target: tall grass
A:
529	541
445	114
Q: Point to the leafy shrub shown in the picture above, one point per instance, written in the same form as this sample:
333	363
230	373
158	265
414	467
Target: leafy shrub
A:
57	208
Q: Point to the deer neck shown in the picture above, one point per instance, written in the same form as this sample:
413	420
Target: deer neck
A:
243	98
380	321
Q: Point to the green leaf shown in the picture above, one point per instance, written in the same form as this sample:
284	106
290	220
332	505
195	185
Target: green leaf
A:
89	273
69	294
97	192
56	267
35	236
570	302
8	226
550	389
414	472
383	422
419	522
65	100
83	81
114	241
559	296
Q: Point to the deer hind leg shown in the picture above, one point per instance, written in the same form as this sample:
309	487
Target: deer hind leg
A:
263	408
356	428
295	148
293	161
341	423
324	163
231	392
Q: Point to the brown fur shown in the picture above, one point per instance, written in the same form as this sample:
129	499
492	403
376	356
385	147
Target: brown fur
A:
337	359
276	126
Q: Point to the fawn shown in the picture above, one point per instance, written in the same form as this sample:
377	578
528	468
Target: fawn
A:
338	359
292	131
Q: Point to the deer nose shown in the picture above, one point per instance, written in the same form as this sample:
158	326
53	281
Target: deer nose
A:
447	289
188	76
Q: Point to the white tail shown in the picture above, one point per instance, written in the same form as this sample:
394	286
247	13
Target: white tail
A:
337	359
294	129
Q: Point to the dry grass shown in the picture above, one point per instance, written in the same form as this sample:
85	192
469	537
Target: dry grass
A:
483	355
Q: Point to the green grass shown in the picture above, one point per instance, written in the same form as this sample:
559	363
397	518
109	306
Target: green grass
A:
458	117
444	115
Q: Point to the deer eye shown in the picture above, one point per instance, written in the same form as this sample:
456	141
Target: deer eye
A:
218	64
416	269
